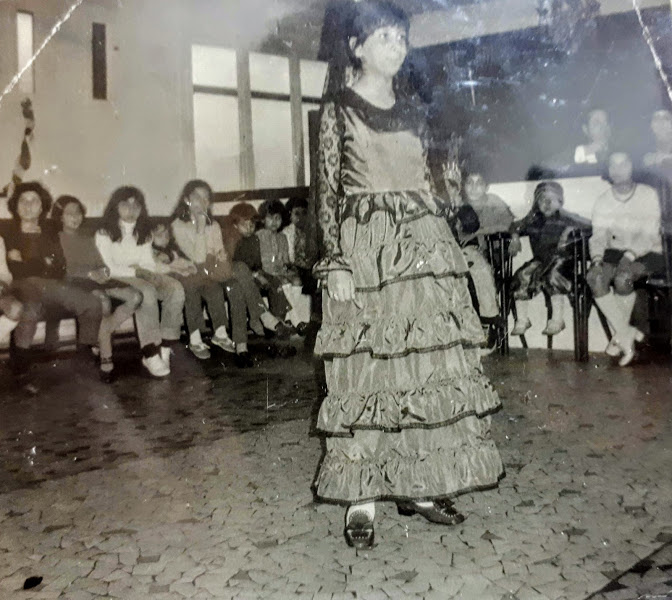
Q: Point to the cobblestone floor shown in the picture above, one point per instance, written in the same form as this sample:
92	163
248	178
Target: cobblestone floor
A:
199	487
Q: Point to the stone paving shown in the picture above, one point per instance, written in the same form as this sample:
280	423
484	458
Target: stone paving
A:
204	491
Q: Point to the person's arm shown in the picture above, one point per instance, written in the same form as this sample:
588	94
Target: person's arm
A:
54	258
106	250
601	231
145	259
5	274
330	146
192	244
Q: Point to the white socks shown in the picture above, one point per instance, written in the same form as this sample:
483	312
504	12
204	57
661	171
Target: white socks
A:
195	338
269	321
6	326
221	332
558	307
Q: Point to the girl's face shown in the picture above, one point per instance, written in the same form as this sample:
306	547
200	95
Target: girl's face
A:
246	227
384	51
29	206
549	203
129	210
474	187
161	237
298	216
199	201
272	222
72	217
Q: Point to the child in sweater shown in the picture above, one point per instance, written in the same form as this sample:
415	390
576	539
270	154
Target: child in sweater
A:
550	270
198	288
125	245
85	268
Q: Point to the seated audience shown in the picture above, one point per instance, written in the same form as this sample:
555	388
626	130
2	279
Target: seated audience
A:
548	227
85	268
661	127
35	259
125	244
494	216
626	246
594	151
242	243
10	307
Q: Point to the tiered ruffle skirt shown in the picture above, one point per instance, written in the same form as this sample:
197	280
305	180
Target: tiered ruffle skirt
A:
407	415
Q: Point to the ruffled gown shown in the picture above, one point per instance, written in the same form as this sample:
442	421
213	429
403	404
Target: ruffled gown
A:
407	410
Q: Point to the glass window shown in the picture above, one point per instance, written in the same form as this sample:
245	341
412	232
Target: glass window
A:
313	73
272	143
214	67
217	141
24	50
269	73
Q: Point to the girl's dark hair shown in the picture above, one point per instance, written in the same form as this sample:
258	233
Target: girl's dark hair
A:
371	15
181	211
110	220
59	206
273	207
545	186
29	186
295	202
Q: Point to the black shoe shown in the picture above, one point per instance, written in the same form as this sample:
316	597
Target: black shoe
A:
441	512
283	331
243	360
359	530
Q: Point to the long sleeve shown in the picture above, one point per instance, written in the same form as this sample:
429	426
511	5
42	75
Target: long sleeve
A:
191	243
106	249
601	227
5	275
329	192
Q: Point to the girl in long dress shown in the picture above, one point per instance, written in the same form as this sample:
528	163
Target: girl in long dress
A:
407	409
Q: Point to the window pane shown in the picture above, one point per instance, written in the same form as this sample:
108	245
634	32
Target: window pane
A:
269	73
213	66
306	107
217	142
313	73
24	49
272	142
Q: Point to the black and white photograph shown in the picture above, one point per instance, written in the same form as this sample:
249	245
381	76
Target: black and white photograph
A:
335	299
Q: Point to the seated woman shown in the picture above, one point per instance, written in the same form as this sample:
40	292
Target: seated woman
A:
35	259
550	270
198	288
125	245
626	246
11	308
85	268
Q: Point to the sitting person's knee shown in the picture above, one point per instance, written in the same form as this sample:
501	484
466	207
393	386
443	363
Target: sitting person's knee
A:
11	308
136	298
598	281
624	284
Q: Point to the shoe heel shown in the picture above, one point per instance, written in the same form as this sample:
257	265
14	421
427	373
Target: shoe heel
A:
405	511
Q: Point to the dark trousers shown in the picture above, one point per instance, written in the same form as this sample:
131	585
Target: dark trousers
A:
197	289
42	296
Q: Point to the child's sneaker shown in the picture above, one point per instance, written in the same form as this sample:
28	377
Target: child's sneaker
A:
200	351
553	327
521	327
156	366
224	343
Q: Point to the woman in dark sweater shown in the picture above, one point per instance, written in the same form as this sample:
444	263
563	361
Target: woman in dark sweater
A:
35	259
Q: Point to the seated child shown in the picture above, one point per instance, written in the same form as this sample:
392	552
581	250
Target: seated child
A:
36	261
10	307
245	247
550	270
295	233
85	268
198	288
274	249
199	238
125	245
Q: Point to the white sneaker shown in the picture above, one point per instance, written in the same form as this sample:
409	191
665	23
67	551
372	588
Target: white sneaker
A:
156	366
165	356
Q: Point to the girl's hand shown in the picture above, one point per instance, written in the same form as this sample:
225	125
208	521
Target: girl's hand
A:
341	286
15	255
99	275
515	246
